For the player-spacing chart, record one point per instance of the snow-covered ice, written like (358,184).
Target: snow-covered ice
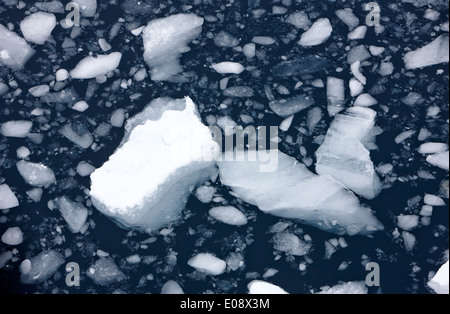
(12,236)
(319,32)
(344,154)
(91,67)
(229,215)
(14,50)
(105,272)
(228,67)
(352,287)
(18,129)
(43,266)
(37,27)
(36,175)
(7,197)
(264,287)
(165,146)
(292,191)
(74,213)
(436,52)
(165,40)
(439,283)
(208,264)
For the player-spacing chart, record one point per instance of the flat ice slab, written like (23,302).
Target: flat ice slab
(434,53)
(263,287)
(344,154)
(208,263)
(37,175)
(165,154)
(292,191)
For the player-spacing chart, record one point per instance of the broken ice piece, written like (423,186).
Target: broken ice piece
(355,287)
(434,53)
(105,272)
(74,213)
(36,175)
(317,34)
(228,215)
(167,147)
(19,129)
(288,107)
(7,197)
(208,263)
(14,50)
(91,67)
(37,27)
(228,68)
(439,283)
(440,160)
(12,236)
(263,287)
(42,267)
(171,287)
(335,95)
(88,7)
(78,133)
(344,155)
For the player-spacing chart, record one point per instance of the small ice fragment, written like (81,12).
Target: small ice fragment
(436,52)
(171,287)
(205,194)
(43,266)
(263,40)
(249,50)
(228,215)
(88,7)
(36,175)
(319,32)
(62,75)
(80,106)
(39,91)
(12,236)
(356,287)
(409,240)
(91,67)
(7,197)
(299,19)
(365,100)
(433,148)
(78,134)
(118,118)
(37,27)
(433,200)
(74,213)
(407,222)
(358,33)
(228,68)
(14,50)
(440,160)
(263,287)
(439,283)
(105,272)
(18,129)
(356,87)
(208,263)
(348,17)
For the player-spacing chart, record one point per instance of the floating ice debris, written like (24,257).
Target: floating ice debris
(358,33)
(263,40)
(118,118)
(78,134)
(91,67)
(404,136)
(287,107)
(171,287)
(355,287)
(105,272)
(12,236)
(365,100)
(299,19)
(439,283)
(37,27)
(407,222)
(335,95)
(239,92)
(88,7)
(205,194)
(36,175)
(84,169)
(7,197)
(286,123)
(14,50)
(356,87)
(319,32)
(43,266)
(165,146)
(263,287)
(165,40)
(281,186)
(348,17)
(433,200)
(249,50)
(62,75)
(208,263)
(35,194)
(344,154)
(224,39)
(376,51)
(358,53)
(301,66)
(409,240)
(18,129)
(228,68)
(80,106)
(74,213)
(355,68)
(291,244)
(436,52)
(228,215)
(433,148)
(440,160)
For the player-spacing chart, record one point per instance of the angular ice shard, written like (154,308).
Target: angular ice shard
(37,27)
(7,197)
(105,272)
(91,67)
(165,154)
(439,283)
(344,154)
(263,287)
(434,53)
(75,214)
(37,175)
(14,50)
(208,263)
(165,40)
(41,267)
(352,287)
(292,191)
(319,32)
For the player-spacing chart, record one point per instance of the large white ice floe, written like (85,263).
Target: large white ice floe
(36,175)
(344,153)
(40,267)
(165,154)
(439,283)
(263,287)
(91,67)
(165,40)
(14,50)
(292,191)
(75,214)
(208,264)
(434,53)
(352,287)
(37,27)
(7,197)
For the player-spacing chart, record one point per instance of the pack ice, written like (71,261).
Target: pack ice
(344,153)
(292,191)
(165,40)
(165,154)
(14,50)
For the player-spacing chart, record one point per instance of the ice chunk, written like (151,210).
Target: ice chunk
(436,52)
(249,50)
(291,244)
(228,68)
(51,6)
(7,197)
(404,136)
(78,134)
(165,40)
(43,266)
(80,106)
(355,68)
(84,169)
(440,160)
(117,118)
(433,148)
(300,20)
(433,200)
(224,39)
(39,91)
(208,263)
(288,107)
(228,215)
(35,194)
(358,53)
(319,32)
(88,7)
(409,240)
(365,100)
(105,272)
(205,194)
(91,67)
(74,213)
(165,146)
(348,17)
(36,175)
(12,236)
(335,95)
(171,287)
(407,222)
(352,287)
(358,33)
(37,27)
(62,75)
(14,50)
(356,87)
(18,129)
(263,40)
(263,287)
(288,189)
(344,156)
(439,283)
